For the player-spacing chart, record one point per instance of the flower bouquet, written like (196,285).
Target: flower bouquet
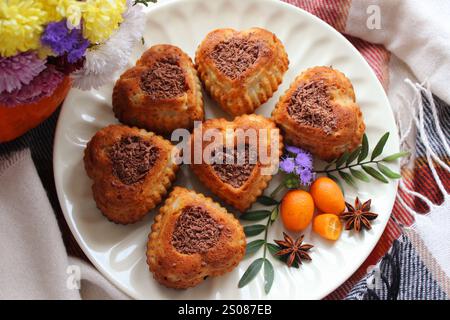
(46,46)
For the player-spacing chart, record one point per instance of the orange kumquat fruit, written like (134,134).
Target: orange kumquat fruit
(328,226)
(327,196)
(296,210)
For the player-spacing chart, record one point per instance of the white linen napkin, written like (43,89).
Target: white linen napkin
(417,32)
(33,260)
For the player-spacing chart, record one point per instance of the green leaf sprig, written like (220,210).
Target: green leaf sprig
(345,165)
(255,245)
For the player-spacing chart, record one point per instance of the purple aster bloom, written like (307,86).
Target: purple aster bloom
(304,159)
(293,149)
(77,52)
(19,70)
(306,176)
(287,165)
(64,41)
(41,86)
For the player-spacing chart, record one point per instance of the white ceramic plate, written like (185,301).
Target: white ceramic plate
(119,251)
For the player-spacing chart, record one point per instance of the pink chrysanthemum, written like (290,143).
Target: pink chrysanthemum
(19,70)
(41,86)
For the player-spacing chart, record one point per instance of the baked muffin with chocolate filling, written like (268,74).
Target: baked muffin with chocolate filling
(191,239)
(131,170)
(161,93)
(240,162)
(319,113)
(241,70)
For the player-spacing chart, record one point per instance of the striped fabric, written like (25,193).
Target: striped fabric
(334,12)
(404,277)
(419,275)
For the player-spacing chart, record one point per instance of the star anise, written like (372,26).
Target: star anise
(358,216)
(294,250)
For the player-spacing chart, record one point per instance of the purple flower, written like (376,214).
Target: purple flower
(301,165)
(293,149)
(306,176)
(19,70)
(304,159)
(64,41)
(287,165)
(41,86)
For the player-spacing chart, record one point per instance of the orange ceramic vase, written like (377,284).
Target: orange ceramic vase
(17,120)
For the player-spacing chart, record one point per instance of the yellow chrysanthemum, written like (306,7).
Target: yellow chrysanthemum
(101,18)
(21,25)
(59,9)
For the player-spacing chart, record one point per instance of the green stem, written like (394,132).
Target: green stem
(347,167)
(277,189)
(265,235)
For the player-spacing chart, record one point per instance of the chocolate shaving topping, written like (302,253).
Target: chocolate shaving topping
(234,56)
(310,105)
(195,231)
(132,158)
(164,80)
(235,166)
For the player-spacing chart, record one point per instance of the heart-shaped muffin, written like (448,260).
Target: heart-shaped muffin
(241,70)
(161,93)
(132,170)
(319,113)
(193,238)
(239,163)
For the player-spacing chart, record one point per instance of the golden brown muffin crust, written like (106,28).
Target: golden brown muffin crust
(319,113)
(241,70)
(161,93)
(177,269)
(131,170)
(239,194)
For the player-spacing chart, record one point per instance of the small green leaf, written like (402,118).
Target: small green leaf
(359,175)
(342,159)
(396,156)
(355,153)
(255,215)
(251,272)
(364,149)
(254,230)
(269,275)
(273,249)
(374,173)
(388,172)
(380,146)
(347,178)
(274,214)
(254,246)
(267,201)
(329,175)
